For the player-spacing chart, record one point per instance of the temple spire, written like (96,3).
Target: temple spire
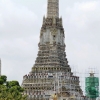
(0,67)
(53,8)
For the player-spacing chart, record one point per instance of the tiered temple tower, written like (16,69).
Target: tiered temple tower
(51,73)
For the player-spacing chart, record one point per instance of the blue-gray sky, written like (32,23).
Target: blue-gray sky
(20,23)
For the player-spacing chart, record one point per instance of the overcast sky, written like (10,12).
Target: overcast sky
(20,23)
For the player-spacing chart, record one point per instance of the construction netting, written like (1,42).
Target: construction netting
(92,87)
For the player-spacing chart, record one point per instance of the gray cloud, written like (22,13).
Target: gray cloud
(18,39)
(82,27)
(16,20)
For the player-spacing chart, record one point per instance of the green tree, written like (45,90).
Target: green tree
(10,90)
(3,79)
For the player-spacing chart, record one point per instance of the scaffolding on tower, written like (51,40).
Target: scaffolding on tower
(92,85)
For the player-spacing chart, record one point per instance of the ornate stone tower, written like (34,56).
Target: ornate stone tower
(51,73)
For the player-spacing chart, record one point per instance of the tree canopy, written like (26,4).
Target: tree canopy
(10,90)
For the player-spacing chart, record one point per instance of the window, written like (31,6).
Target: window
(54,37)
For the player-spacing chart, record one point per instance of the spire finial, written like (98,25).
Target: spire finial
(92,74)
(53,8)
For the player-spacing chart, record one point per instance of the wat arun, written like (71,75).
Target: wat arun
(51,74)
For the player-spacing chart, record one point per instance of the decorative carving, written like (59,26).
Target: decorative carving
(53,31)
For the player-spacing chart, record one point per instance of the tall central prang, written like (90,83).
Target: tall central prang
(51,73)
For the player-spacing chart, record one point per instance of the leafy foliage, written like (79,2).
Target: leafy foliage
(10,90)
(3,79)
